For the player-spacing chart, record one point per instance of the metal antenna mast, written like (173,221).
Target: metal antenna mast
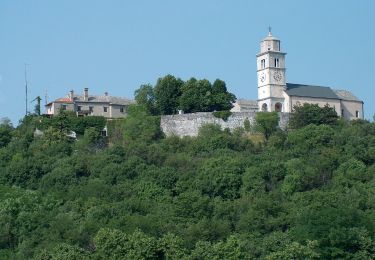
(26,101)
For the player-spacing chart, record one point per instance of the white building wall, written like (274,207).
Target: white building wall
(335,103)
(349,109)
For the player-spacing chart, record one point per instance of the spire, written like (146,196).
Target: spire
(269,31)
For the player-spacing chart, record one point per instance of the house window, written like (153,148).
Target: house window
(91,109)
(122,109)
(79,108)
(63,107)
(263,63)
(356,114)
(277,64)
(105,109)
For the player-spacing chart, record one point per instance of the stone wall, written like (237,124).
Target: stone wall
(189,124)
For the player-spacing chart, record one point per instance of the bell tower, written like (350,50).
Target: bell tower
(271,75)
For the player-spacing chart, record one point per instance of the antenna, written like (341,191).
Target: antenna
(46,97)
(26,88)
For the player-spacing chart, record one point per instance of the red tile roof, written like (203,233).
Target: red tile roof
(64,100)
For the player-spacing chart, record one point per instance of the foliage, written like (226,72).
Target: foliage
(222,114)
(266,123)
(145,96)
(167,92)
(139,125)
(304,194)
(306,114)
(247,125)
(5,134)
(171,94)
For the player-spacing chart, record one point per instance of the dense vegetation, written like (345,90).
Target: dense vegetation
(171,94)
(302,194)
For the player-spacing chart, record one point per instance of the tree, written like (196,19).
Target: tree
(296,251)
(222,99)
(167,92)
(202,96)
(266,123)
(145,96)
(6,130)
(139,125)
(196,96)
(306,114)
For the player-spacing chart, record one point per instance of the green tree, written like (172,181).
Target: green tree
(296,251)
(266,123)
(202,96)
(141,126)
(5,134)
(196,96)
(145,96)
(167,92)
(306,114)
(221,98)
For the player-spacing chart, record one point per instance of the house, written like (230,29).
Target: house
(94,105)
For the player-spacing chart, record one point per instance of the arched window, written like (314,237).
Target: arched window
(278,107)
(264,107)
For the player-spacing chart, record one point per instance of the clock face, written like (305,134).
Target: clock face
(277,76)
(262,77)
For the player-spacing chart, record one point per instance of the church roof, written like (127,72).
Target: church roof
(310,91)
(345,95)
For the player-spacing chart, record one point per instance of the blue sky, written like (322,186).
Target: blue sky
(116,46)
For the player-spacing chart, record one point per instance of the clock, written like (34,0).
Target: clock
(262,77)
(277,76)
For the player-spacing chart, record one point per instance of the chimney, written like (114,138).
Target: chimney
(71,95)
(86,94)
(106,94)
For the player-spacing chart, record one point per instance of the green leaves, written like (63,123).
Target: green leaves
(171,94)
(306,114)
(304,194)
(267,123)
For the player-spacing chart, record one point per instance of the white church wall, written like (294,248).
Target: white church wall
(335,103)
(349,109)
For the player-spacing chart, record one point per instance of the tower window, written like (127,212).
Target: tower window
(342,112)
(356,114)
(105,109)
(263,63)
(264,107)
(277,64)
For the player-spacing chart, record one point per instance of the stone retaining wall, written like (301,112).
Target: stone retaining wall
(189,124)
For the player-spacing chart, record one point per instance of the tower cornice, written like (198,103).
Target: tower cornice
(274,52)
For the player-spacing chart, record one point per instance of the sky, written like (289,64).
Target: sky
(116,46)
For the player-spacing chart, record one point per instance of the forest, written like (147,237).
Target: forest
(259,192)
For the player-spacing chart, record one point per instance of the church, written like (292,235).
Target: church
(275,94)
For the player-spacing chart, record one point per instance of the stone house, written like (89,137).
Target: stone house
(94,105)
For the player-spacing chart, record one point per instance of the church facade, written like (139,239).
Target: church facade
(275,94)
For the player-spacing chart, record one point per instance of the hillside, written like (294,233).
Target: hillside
(303,194)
